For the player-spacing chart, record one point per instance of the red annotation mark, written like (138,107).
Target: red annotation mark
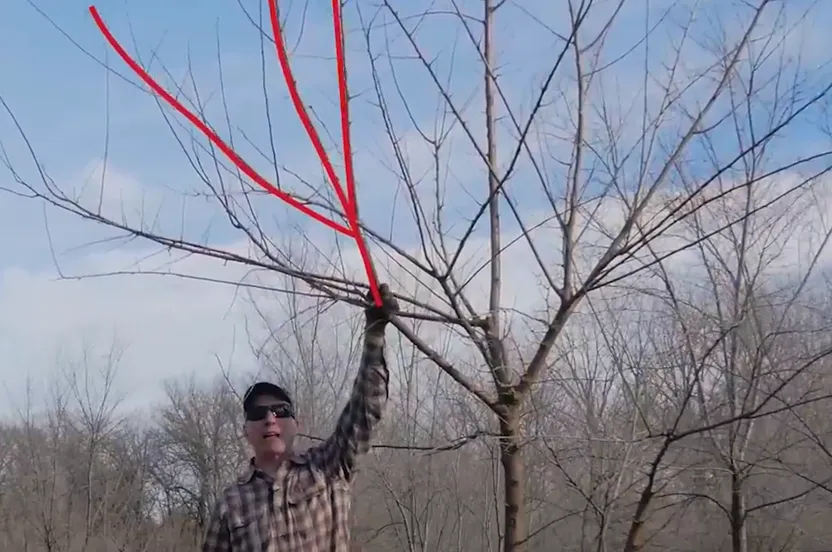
(347,199)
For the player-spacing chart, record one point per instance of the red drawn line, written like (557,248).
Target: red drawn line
(349,203)
(341,60)
(251,173)
(348,200)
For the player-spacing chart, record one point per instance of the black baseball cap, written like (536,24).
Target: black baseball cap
(262,388)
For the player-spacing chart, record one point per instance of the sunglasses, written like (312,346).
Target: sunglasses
(259,413)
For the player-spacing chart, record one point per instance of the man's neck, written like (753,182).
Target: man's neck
(271,464)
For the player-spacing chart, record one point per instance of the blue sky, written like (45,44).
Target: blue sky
(67,103)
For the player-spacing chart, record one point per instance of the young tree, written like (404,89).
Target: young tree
(504,208)
(90,384)
(198,448)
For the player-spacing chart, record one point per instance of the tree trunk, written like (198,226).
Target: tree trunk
(510,457)
(89,497)
(739,540)
(635,536)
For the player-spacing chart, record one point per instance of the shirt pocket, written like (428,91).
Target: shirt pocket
(308,488)
(318,505)
(308,511)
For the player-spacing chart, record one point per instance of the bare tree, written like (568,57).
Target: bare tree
(737,333)
(90,384)
(68,484)
(198,449)
(596,181)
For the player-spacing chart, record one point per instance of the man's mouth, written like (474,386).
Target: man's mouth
(271,436)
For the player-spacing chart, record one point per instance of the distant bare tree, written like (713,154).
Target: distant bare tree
(197,449)
(741,344)
(90,384)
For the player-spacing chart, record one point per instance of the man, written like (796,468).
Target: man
(300,502)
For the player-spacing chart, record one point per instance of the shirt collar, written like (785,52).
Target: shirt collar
(298,459)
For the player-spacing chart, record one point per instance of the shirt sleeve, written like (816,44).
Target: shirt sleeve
(217,536)
(359,418)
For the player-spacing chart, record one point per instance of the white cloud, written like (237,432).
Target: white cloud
(169,326)
(105,189)
(102,183)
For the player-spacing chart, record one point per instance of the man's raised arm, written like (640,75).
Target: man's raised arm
(359,418)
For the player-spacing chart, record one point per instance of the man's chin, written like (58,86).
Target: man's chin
(275,446)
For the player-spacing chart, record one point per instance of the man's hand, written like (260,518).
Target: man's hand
(378,317)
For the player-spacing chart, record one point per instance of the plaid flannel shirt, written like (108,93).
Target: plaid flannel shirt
(306,507)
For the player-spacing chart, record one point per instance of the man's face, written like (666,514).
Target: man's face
(269,433)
